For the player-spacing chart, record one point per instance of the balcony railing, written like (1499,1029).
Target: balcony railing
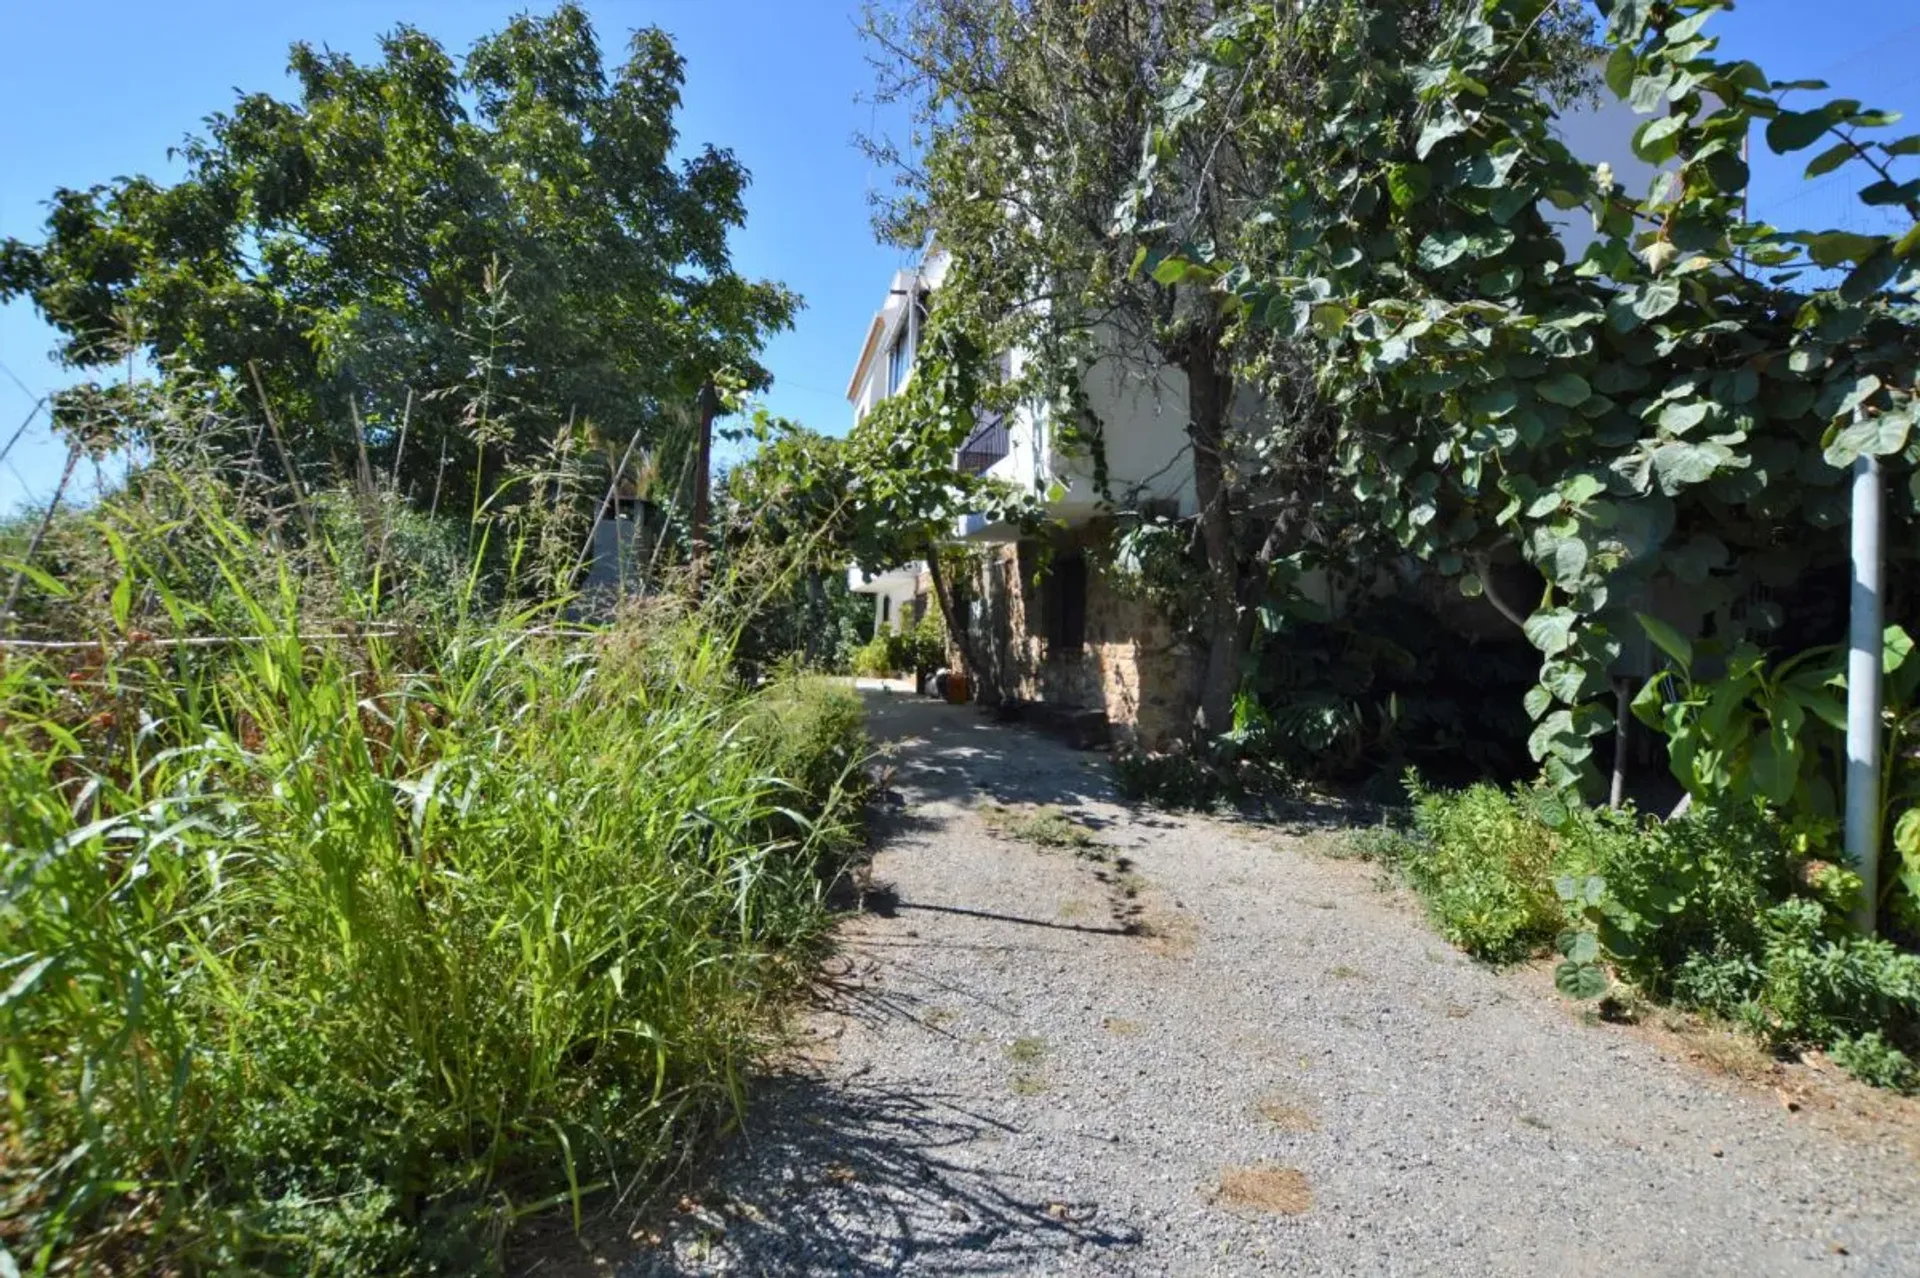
(987,444)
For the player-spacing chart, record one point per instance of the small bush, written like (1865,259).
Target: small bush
(920,648)
(1717,911)
(1872,1059)
(1485,866)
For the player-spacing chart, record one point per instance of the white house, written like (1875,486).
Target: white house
(899,595)
(1049,629)
(1048,624)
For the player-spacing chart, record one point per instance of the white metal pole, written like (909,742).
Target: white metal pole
(1863,693)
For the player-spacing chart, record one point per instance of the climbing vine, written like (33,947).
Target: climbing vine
(1678,404)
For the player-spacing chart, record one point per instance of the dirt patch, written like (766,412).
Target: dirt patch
(1168,934)
(1263,1187)
(1285,1114)
(1121,1025)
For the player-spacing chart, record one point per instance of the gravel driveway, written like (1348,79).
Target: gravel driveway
(1201,1050)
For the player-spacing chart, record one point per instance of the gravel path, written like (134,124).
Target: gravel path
(1260,1062)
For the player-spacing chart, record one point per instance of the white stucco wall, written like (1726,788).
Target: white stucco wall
(893,593)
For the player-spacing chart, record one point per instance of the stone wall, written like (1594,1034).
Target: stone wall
(1131,665)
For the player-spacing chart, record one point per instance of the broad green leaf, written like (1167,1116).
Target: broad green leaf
(1906,837)
(1795,130)
(1561,559)
(1864,388)
(1442,249)
(1875,435)
(1656,299)
(1621,65)
(1580,489)
(1655,142)
(1829,160)
(1582,981)
(1409,184)
(1831,248)
(1551,631)
(1437,131)
(1649,92)
(1669,641)
(1679,465)
(1680,417)
(1578,945)
(1569,389)
(1897,647)
(1775,764)
(1171,271)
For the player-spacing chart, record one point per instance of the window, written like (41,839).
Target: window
(900,354)
(1064,605)
(899,360)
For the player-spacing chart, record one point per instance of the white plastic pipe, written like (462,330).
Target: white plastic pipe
(1863,693)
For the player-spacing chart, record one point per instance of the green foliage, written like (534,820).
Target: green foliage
(1873,1060)
(1675,407)
(919,649)
(1762,732)
(1382,688)
(1484,863)
(352,247)
(1773,733)
(1719,911)
(343,955)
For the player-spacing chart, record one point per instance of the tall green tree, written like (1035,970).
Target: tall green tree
(1026,165)
(487,246)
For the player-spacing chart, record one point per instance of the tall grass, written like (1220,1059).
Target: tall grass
(341,955)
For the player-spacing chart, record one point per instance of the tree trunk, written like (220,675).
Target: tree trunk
(950,615)
(1209,392)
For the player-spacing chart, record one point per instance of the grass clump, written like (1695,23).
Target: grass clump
(342,956)
(1044,825)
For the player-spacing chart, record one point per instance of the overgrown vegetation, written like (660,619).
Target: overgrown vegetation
(1721,911)
(1421,342)
(341,953)
(373,876)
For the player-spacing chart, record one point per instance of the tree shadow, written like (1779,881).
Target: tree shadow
(847,1177)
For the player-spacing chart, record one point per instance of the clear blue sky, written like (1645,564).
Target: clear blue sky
(102,88)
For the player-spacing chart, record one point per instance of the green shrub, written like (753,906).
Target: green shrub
(1871,1059)
(1717,911)
(1485,865)
(919,648)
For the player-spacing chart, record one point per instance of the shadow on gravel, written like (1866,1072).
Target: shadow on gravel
(961,755)
(848,1178)
(883,901)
